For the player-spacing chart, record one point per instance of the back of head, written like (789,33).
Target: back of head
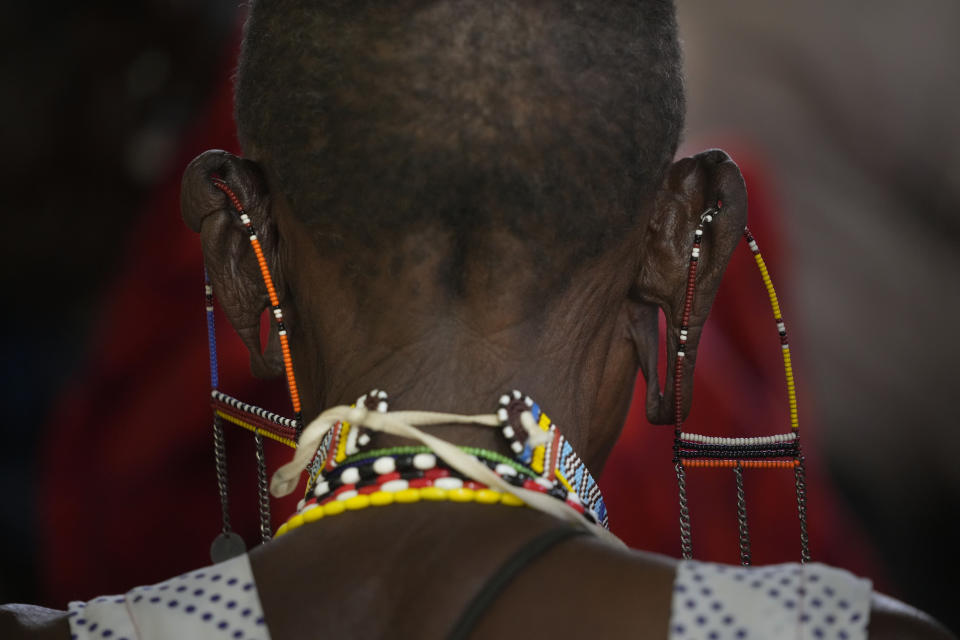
(551,121)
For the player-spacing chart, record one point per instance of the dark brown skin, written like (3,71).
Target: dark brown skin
(410,571)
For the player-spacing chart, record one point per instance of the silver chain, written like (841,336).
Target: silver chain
(220,456)
(262,490)
(686,546)
(742,517)
(801,476)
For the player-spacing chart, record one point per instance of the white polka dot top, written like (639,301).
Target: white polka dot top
(218,602)
(710,602)
(802,602)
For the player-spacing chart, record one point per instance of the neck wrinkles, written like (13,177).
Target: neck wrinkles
(434,353)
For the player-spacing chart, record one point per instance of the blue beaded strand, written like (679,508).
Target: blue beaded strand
(211,331)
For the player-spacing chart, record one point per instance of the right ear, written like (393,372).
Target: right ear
(231,264)
(690,186)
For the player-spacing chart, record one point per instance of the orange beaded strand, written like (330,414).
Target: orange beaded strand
(746,464)
(271,293)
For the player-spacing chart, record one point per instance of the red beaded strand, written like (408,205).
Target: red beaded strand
(685,324)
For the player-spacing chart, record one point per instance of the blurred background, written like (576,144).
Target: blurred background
(845,118)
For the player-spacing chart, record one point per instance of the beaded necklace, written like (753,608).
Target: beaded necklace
(346,478)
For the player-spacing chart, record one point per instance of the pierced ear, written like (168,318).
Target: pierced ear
(691,186)
(230,261)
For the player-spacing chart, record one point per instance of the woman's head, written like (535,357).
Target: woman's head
(552,121)
(482,182)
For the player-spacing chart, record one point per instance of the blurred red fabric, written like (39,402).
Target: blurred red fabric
(129,496)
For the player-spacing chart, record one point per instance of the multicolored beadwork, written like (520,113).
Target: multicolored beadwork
(254,419)
(543,462)
(345,439)
(554,460)
(690,450)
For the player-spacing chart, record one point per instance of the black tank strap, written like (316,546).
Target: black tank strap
(505,574)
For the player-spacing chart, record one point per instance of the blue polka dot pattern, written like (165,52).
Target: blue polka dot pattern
(806,602)
(219,602)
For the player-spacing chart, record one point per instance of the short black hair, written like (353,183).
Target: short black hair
(553,119)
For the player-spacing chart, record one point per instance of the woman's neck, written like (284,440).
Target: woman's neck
(431,353)
(463,376)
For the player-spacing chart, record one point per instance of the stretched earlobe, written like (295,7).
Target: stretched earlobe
(690,187)
(232,266)
(645,333)
(266,362)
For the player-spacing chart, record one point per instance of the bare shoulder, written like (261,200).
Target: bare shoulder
(890,618)
(29,622)
(587,588)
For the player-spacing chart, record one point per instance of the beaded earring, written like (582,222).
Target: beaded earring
(691,450)
(260,422)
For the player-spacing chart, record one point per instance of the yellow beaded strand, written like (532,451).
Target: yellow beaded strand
(787,362)
(406,496)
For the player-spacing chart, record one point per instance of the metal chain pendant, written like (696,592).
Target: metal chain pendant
(227,544)
(800,474)
(686,546)
(262,490)
(742,523)
(220,456)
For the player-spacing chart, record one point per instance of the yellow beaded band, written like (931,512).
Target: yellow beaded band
(406,496)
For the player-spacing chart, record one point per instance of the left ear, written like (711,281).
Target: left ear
(690,187)
(231,263)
